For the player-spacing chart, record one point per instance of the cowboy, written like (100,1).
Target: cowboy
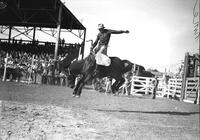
(102,40)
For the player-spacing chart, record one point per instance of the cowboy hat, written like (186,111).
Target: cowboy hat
(100,26)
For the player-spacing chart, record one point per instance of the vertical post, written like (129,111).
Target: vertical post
(147,81)
(6,59)
(34,28)
(196,65)
(184,76)
(175,86)
(58,31)
(83,44)
(9,35)
(132,79)
(29,79)
(5,68)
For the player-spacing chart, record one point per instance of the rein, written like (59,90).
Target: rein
(68,71)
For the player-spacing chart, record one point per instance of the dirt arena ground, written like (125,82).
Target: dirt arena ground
(41,112)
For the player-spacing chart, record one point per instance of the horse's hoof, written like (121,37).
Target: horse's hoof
(77,96)
(73,95)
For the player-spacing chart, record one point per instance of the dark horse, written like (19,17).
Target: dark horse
(86,67)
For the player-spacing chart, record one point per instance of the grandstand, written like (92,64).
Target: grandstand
(36,16)
(27,18)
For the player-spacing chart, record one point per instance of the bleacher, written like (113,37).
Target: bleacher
(30,62)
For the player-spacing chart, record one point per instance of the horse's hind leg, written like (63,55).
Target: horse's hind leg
(77,88)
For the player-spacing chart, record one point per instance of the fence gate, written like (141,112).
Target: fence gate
(192,90)
(174,87)
(141,85)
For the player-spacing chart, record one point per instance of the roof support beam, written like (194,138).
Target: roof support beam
(83,47)
(58,31)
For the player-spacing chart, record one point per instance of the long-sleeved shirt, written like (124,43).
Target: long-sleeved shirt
(104,37)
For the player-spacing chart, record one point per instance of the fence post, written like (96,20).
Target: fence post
(185,71)
(132,84)
(147,85)
(5,68)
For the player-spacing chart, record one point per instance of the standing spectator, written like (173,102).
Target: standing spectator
(50,78)
(155,86)
(57,77)
(62,78)
(126,85)
(44,73)
(108,85)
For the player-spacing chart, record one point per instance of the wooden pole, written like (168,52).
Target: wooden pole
(83,44)
(58,31)
(5,68)
(132,79)
(34,29)
(6,59)
(184,76)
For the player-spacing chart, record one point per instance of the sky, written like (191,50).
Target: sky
(161,31)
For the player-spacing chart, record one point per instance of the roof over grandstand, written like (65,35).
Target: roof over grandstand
(37,13)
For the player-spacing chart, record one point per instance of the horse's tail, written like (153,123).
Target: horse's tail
(127,66)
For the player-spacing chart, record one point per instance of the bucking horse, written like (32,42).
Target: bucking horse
(86,68)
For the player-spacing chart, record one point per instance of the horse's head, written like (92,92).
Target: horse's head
(64,63)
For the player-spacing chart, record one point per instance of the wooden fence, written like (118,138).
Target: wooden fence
(143,85)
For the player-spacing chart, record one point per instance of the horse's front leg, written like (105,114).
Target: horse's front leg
(77,87)
(114,86)
(120,83)
(117,84)
(82,83)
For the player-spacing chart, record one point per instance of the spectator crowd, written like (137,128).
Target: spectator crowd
(32,62)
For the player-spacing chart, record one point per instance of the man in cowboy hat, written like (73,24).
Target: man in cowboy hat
(102,40)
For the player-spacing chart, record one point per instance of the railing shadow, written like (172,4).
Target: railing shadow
(150,112)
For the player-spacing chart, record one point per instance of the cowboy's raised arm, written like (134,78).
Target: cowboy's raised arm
(118,32)
(95,42)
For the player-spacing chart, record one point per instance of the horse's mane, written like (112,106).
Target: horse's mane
(89,60)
